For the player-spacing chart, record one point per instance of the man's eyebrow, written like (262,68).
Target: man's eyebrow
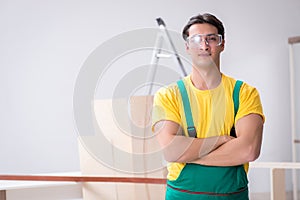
(210,34)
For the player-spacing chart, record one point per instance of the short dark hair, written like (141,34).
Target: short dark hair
(205,18)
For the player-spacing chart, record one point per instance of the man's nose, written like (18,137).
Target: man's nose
(204,44)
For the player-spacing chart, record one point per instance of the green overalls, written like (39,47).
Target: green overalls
(213,183)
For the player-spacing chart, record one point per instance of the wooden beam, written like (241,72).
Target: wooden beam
(2,195)
(293,40)
(278,184)
(275,165)
(83,179)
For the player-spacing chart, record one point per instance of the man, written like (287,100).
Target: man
(213,164)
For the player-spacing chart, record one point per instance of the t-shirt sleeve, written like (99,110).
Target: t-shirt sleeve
(165,105)
(249,102)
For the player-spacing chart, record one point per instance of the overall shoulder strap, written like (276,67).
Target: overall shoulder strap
(187,109)
(236,102)
(236,96)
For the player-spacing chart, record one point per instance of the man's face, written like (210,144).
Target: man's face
(204,45)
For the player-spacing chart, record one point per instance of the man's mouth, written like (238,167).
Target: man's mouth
(204,54)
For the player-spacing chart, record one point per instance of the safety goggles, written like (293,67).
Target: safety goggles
(196,41)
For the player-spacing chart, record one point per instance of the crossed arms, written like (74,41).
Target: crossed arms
(213,151)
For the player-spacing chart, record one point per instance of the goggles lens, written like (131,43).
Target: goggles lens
(212,40)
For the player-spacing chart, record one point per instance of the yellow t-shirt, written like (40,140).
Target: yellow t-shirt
(212,110)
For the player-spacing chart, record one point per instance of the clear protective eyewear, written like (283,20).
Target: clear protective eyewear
(213,40)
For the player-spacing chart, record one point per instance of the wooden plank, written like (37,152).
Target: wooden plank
(83,179)
(277,165)
(2,195)
(293,40)
(278,184)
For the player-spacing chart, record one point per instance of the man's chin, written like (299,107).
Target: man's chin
(205,63)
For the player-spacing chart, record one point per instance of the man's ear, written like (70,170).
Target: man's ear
(223,45)
(187,48)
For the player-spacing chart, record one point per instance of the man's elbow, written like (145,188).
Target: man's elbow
(252,153)
(171,157)
(176,157)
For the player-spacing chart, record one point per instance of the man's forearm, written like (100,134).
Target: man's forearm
(235,152)
(245,148)
(185,149)
(179,148)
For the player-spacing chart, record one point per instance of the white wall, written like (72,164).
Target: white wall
(43,45)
